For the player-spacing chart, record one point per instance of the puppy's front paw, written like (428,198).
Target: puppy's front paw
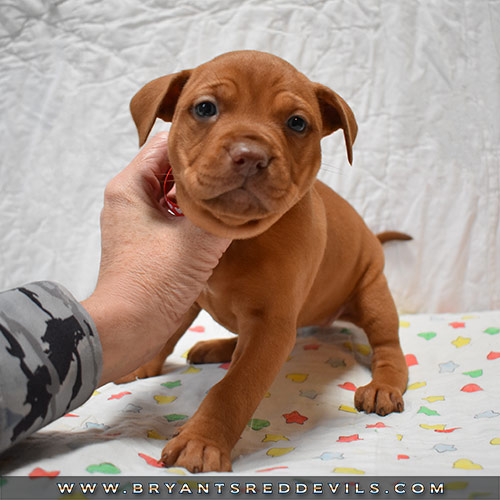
(379,398)
(196,454)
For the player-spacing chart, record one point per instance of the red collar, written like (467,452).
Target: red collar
(168,185)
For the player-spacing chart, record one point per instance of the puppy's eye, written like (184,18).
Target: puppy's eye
(296,123)
(205,109)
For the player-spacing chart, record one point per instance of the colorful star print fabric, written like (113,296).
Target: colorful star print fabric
(306,423)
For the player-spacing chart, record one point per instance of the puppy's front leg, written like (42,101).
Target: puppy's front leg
(376,313)
(205,442)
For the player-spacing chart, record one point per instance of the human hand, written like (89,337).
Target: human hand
(153,265)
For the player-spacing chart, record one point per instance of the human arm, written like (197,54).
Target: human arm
(153,267)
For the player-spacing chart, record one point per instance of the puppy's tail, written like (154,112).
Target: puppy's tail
(393,235)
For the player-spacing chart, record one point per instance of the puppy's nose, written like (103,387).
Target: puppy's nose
(247,157)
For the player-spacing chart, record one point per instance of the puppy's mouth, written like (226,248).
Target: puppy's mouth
(237,203)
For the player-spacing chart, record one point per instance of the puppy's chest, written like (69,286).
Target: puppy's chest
(219,306)
(238,284)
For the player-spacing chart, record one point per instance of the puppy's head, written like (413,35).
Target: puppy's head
(245,138)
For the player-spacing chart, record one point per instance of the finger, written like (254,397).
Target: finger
(152,165)
(144,173)
(154,156)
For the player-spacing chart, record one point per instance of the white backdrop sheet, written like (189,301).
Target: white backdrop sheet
(423,79)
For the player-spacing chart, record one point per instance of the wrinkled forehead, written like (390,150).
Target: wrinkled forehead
(250,79)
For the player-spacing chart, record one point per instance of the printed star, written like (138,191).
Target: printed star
(311,394)
(461,341)
(336,363)
(449,367)
(487,414)
(294,418)
(130,408)
(442,448)
(457,324)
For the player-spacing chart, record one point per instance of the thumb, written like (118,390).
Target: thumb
(142,176)
(153,157)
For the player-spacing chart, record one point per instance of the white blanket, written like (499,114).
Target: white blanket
(307,423)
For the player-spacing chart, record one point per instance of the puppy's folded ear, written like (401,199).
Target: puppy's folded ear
(336,114)
(157,99)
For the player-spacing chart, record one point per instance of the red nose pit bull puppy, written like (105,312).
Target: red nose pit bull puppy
(245,150)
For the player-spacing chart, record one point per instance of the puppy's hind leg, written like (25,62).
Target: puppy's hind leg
(212,351)
(373,310)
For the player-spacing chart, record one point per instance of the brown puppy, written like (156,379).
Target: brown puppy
(245,149)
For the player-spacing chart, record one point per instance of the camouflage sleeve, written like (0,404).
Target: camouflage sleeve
(50,358)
